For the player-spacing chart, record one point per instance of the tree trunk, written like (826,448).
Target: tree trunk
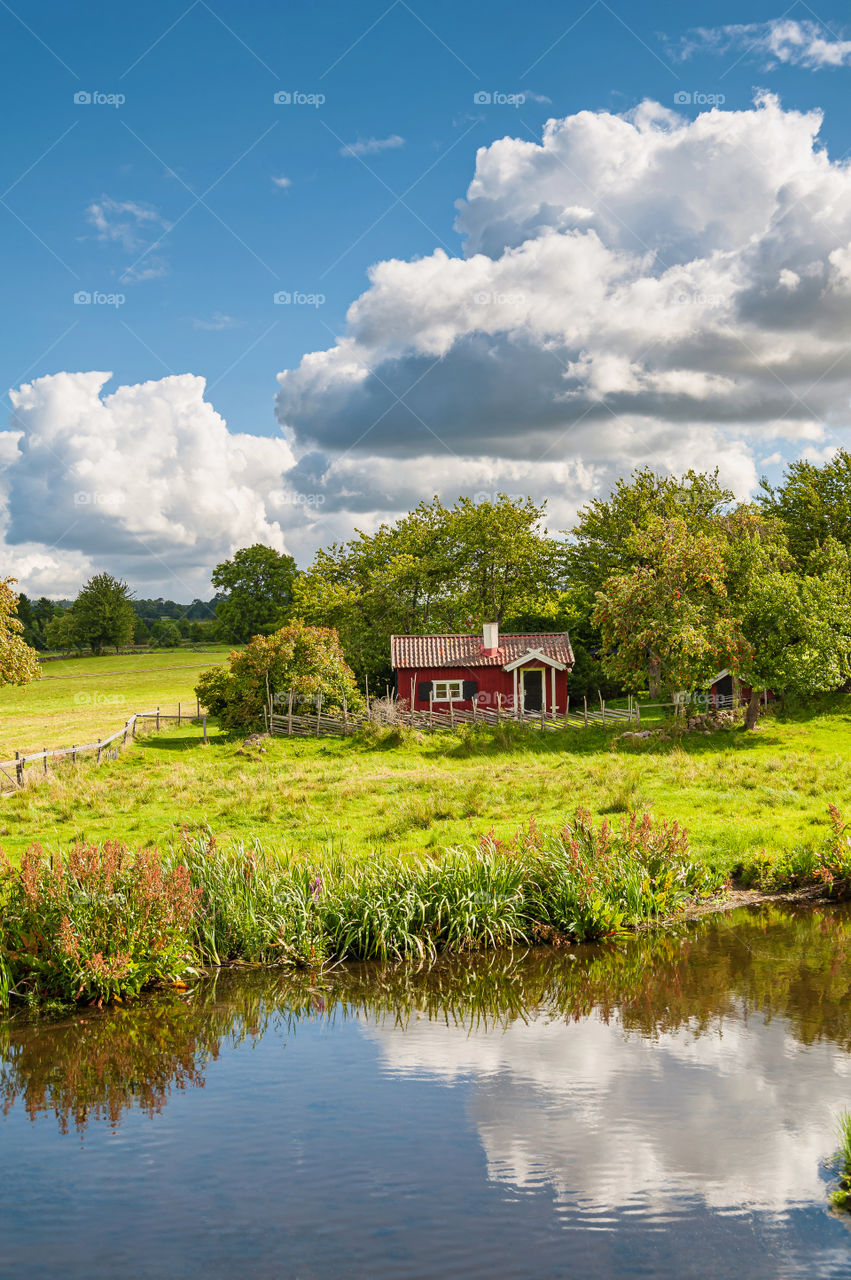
(752,713)
(654,679)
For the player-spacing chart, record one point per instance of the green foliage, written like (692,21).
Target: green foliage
(257,582)
(813,503)
(18,662)
(298,659)
(102,615)
(826,863)
(437,569)
(602,543)
(166,635)
(93,925)
(98,926)
(670,613)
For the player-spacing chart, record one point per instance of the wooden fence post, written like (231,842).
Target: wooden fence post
(178,715)
(74,754)
(638,715)
(431,708)
(197,708)
(542,715)
(567,711)
(499,708)
(266,719)
(19,768)
(585,704)
(135,717)
(366,686)
(44,749)
(603,708)
(452,711)
(124,739)
(205,727)
(345,715)
(318,711)
(158,719)
(290,715)
(98,757)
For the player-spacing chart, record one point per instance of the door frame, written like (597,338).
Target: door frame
(543,671)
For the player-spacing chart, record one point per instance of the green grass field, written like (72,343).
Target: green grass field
(82,699)
(735,792)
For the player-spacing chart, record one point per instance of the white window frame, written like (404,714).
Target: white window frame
(442,691)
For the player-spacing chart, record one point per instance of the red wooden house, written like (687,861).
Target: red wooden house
(525,672)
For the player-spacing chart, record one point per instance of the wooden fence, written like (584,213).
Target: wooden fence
(316,724)
(102,747)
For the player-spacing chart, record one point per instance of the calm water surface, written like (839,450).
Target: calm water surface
(664,1108)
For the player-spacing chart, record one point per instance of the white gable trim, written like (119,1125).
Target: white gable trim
(537,654)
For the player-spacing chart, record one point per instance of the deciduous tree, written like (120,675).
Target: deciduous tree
(102,615)
(257,582)
(297,659)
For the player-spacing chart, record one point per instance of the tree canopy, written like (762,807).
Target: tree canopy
(436,569)
(18,661)
(257,584)
(297,659)
(102,615)
(813,503)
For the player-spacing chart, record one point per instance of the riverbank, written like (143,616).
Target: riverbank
(98,923)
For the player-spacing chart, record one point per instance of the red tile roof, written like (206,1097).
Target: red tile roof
(427,652)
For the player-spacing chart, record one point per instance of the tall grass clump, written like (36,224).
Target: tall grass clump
(251,905)
(842,1197)
(590,882)
(827,863)
(92,925)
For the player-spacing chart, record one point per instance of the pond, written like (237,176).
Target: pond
(663,1107)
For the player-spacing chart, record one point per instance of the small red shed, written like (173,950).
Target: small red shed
(527,672)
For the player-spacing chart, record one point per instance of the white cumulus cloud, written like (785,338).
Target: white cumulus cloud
(146,481)
(636,288)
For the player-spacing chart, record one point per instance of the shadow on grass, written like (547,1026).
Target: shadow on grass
(180,741)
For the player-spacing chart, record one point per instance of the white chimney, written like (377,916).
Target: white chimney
(490,637)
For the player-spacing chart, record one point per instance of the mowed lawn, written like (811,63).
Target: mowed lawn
(735,792)
(82,699)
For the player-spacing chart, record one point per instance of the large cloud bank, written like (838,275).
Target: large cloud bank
(635,289)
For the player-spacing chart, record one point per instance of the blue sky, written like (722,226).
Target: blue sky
(189,198)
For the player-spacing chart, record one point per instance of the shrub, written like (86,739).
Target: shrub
(305,661)
(93,924)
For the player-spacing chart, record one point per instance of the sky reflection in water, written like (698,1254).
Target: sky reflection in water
(661,1108)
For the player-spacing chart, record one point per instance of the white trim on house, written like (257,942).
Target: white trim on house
(452,690)
(522,673)
(539,656)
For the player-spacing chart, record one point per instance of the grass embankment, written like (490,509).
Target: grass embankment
(736,793)
(98,924)
(82,699)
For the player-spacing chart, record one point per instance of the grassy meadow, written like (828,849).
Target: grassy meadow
(735,793)
(82,699)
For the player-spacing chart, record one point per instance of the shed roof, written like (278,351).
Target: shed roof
(427,652)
